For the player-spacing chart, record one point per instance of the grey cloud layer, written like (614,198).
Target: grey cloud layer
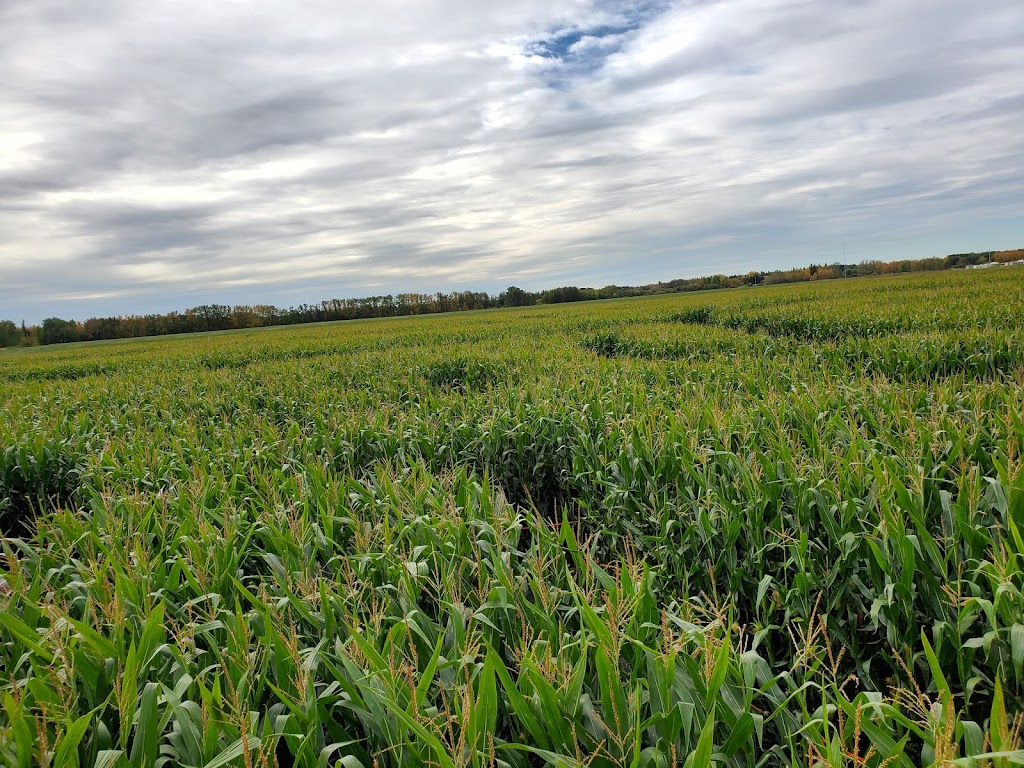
(153,152)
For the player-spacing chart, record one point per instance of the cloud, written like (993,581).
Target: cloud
(152,154)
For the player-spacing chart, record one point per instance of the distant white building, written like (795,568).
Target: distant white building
(986,265)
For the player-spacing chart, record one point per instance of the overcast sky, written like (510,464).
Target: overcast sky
(156,155)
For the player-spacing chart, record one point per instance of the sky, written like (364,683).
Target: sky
(163,154)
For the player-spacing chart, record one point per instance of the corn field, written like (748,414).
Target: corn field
(763,527)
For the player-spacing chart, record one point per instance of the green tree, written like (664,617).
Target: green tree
(516,297)
(10,336)
(57,331)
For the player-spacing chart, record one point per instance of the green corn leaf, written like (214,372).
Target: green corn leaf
(234,751)
(486,707)
(520,706)
(718,673)
(1011,756)
(1017,650)
(701,756)
(147,728)
(999,728)
(740,735)
(18,722)
(25,635)
(614,706)
(109,758)
(555,759)
(427,676)
(440,754)
(66,753)
(933,664)
(152,633)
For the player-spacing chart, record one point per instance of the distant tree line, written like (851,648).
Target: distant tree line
(222,317)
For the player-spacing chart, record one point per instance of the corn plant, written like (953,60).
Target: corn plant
(772,526)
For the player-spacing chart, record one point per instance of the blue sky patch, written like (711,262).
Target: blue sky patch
(568,58)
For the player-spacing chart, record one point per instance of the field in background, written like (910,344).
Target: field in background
(771,526)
